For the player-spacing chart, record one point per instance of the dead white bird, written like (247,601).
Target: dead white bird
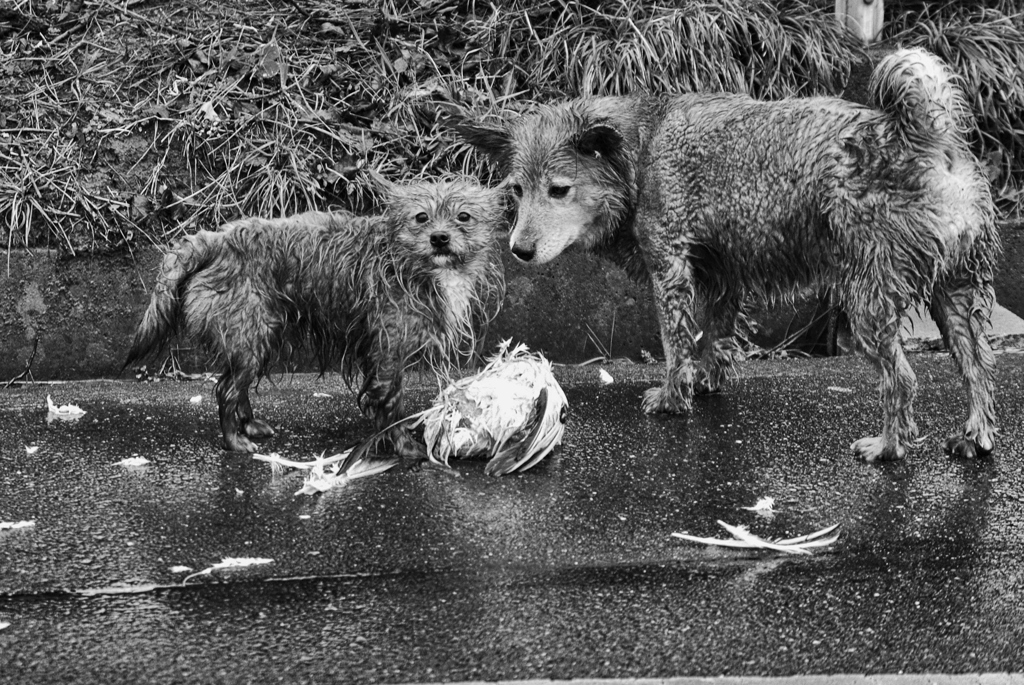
(513,411)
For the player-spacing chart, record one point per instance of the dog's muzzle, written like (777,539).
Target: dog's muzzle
(442,253)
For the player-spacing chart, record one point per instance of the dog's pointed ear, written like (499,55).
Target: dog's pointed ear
(493,141)
(600,140)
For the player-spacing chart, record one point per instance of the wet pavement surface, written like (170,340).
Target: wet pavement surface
(566,571)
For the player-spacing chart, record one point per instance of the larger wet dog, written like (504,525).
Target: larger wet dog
(724,196)
(374,294)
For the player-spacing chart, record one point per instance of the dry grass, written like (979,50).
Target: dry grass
(125,121)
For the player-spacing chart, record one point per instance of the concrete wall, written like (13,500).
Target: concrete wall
(83,311)
(1010,279)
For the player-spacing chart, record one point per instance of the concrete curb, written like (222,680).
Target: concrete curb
(838,679)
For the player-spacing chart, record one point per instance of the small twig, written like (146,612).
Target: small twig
(301,10)
(28,365)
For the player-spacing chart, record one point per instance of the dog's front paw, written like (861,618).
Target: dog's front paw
(661,400)
(875,449)
(963,447)
(258,430)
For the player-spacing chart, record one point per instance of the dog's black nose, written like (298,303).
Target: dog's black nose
(525,254)
(438,240)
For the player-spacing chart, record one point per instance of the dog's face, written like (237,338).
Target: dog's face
(569,174)
(448,223)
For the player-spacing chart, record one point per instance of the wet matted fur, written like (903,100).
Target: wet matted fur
(372,295)
(724,196)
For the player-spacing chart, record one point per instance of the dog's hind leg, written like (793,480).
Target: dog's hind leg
(716,345)
(876,327)
(233,385)
(674,296)
(253,427)
(962,312)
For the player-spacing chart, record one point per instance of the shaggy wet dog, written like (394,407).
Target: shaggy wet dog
(723,196)
(374,295)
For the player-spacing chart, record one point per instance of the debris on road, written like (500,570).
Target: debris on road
(745,539)
(606,378)
(764,507)
(321,479)
(14,525)
(66,412)
(229,562)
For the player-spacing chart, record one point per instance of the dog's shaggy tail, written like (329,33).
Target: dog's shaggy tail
(922,96)
(161,318)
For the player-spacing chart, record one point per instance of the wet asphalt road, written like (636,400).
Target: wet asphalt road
(567,571)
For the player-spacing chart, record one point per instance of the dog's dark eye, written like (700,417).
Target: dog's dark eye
(463,217)
(558,191)
(517,189)
(421,218)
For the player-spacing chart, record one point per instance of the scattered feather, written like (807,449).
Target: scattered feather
(30,450)
(512,412)
(321,478)
(764,507)
(276,462)
(741,537)
(275,459)
(65,412)
(606,377)
(180,569)
(133,461)
(196,399)
(14,525)
(228,562)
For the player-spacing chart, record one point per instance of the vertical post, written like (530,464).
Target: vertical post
(863,18)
